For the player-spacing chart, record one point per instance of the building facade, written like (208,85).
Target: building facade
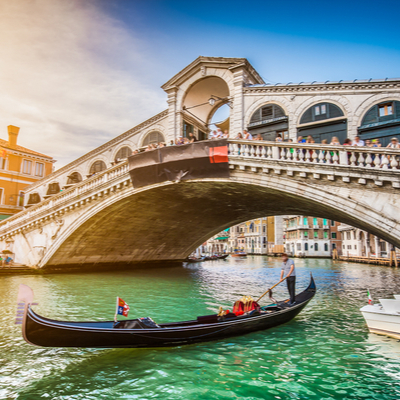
(19,168)
(307,236)
(359,243)
(369,108)
(256,236)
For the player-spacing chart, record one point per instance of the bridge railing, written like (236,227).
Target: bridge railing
(352,156)
(74,193)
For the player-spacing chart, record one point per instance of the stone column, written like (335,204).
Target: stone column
(172,120)
(367,245)
(377,247)
(236,123)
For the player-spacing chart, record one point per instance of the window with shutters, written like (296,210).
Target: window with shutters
(316,246)
(97,166)
(123,153)
(306,246)
(333,235)
(2,163)
(39,169)
(325,246)
(27,167)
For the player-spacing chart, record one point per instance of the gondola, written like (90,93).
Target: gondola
(222,256)
(192,260)
(144,332)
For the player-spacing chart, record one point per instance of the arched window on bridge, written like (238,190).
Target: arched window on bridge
(381,121)
(123,153)
(323,121)
(269,121)
(34,198)
(53,188)
(75,177)
(153,137)
(97,166)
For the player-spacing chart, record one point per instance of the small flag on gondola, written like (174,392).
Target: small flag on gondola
(370,302)
(122,308)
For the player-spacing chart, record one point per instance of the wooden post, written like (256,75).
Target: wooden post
(393,257)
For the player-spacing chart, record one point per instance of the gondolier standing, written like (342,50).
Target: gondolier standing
(289,271)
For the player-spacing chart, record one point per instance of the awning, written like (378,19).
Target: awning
(222,238)
(4,217)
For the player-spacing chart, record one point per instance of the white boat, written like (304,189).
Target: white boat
(383,318)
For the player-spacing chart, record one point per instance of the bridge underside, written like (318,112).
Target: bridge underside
(168,222)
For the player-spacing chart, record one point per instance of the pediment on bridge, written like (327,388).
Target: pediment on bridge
(203,63)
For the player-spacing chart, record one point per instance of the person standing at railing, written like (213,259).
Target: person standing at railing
(278,138)
(259,137)
(335,141)
(394,143)
(358,142)
(247,135)
(301,140)
(192,138)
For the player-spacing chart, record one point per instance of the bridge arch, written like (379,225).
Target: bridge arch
(195,99)
(141,227)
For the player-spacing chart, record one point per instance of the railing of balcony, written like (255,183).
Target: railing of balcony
(349,156)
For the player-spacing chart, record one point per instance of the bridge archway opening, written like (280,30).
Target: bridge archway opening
(140,227)
(270,121)
(323,121)
(202,100)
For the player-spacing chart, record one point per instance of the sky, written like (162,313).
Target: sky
(76,73)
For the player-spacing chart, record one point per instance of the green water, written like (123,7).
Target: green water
(324,353)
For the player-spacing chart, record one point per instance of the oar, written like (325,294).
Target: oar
(276,284)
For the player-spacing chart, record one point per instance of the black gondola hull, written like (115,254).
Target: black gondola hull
(44,332)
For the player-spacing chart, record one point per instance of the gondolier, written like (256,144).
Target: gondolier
(289,272)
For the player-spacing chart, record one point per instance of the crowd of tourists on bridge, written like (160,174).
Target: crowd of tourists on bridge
(246,135)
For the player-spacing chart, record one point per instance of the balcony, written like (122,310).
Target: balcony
(296,227)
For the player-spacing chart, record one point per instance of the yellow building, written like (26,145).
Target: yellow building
(19,168)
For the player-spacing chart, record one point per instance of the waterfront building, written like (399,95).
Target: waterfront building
(19,168)
(307,236)
(369,108)
(256,236)
(359,243)
(218,244)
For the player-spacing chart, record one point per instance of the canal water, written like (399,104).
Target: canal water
(324,353)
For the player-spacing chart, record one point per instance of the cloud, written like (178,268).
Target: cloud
(71,76)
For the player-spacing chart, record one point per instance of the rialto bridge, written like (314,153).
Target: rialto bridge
(88,212)
(104,219)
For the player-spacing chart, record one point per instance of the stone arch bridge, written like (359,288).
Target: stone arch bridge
(106,220)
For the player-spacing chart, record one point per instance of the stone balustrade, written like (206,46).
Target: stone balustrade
(349,156)
(363,163)
(65,198)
